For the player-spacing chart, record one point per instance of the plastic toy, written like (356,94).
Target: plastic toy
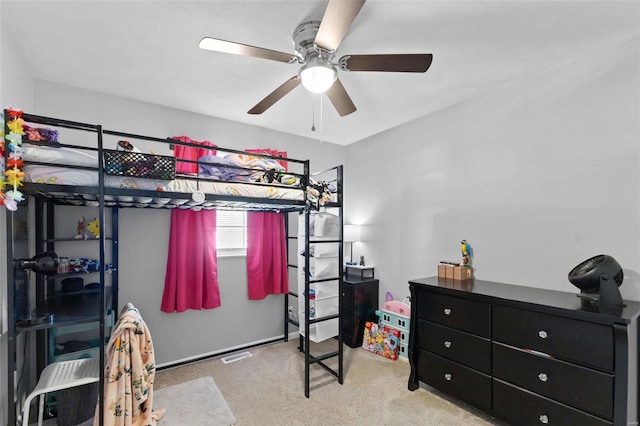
(466,253)
(80,229)
(396,306)
(94,227)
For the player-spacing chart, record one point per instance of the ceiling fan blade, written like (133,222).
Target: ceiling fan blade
(224,46)
(275,96)
(392,63)
(340,99)
(336,22)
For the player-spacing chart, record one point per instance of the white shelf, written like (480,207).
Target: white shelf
(324,264)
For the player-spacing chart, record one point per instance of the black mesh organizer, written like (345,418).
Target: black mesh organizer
(137,164)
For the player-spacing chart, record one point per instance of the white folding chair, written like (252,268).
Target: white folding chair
(58,376)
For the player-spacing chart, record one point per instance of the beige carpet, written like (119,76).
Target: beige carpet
(268,389)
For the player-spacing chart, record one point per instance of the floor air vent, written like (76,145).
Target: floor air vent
(236,357)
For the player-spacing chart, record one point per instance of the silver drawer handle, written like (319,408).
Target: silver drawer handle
(543,334)
(543,377)
(447,376)
(447,344)
(544,419)
(447,311)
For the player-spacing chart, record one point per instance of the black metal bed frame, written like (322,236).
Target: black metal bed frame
(47,195)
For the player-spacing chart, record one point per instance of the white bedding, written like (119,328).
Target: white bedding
(79,177)
(62,156)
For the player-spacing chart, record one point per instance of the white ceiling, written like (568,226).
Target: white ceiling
(148,51)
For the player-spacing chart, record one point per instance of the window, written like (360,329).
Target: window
(231,233)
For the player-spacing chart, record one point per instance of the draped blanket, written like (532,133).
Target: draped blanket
(129,374)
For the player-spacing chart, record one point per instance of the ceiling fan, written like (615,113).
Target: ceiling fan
(315,45)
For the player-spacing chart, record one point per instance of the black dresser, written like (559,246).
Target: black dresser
(524,355)
(359,303)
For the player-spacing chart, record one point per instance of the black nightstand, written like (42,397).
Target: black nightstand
(359,303)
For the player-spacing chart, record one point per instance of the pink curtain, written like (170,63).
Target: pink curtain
(190,153)
(267,271)
(191,280)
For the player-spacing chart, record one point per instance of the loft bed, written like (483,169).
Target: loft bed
(65,167)
(70,173)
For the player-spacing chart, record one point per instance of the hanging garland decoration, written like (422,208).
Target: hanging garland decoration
(2,161)
(13,175)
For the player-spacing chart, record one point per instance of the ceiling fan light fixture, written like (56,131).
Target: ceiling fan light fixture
(317,75)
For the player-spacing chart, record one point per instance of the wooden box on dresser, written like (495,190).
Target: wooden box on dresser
(525,355)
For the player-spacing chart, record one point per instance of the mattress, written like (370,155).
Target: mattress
(58,174)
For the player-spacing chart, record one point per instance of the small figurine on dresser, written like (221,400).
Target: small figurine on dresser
(362,261)
(466,253)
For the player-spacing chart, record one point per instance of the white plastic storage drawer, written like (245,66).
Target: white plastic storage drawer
(322,249)
(322,267)
(322,225)
(321,330)
(319,308)
(321,290)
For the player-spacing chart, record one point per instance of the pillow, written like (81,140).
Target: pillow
(63,156)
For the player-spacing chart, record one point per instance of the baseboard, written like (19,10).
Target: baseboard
(222,352)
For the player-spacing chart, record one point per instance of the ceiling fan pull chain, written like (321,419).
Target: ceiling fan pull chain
(321,122)
(313,112)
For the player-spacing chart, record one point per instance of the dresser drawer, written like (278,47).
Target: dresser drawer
(520,407)
(465,348)
(463,314)
(454,379)
(583,342)
(580,387)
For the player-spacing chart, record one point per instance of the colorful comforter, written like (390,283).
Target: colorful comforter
(245,168)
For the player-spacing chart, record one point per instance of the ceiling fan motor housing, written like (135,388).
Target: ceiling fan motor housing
(304,37)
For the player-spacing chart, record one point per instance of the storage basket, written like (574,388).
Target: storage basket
(74,404)
(137,164)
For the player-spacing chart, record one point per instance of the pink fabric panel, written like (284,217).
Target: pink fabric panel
(191,280)
(267,271)
(191,153)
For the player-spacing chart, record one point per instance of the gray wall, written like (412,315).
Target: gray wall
(16,88)
(537,176)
